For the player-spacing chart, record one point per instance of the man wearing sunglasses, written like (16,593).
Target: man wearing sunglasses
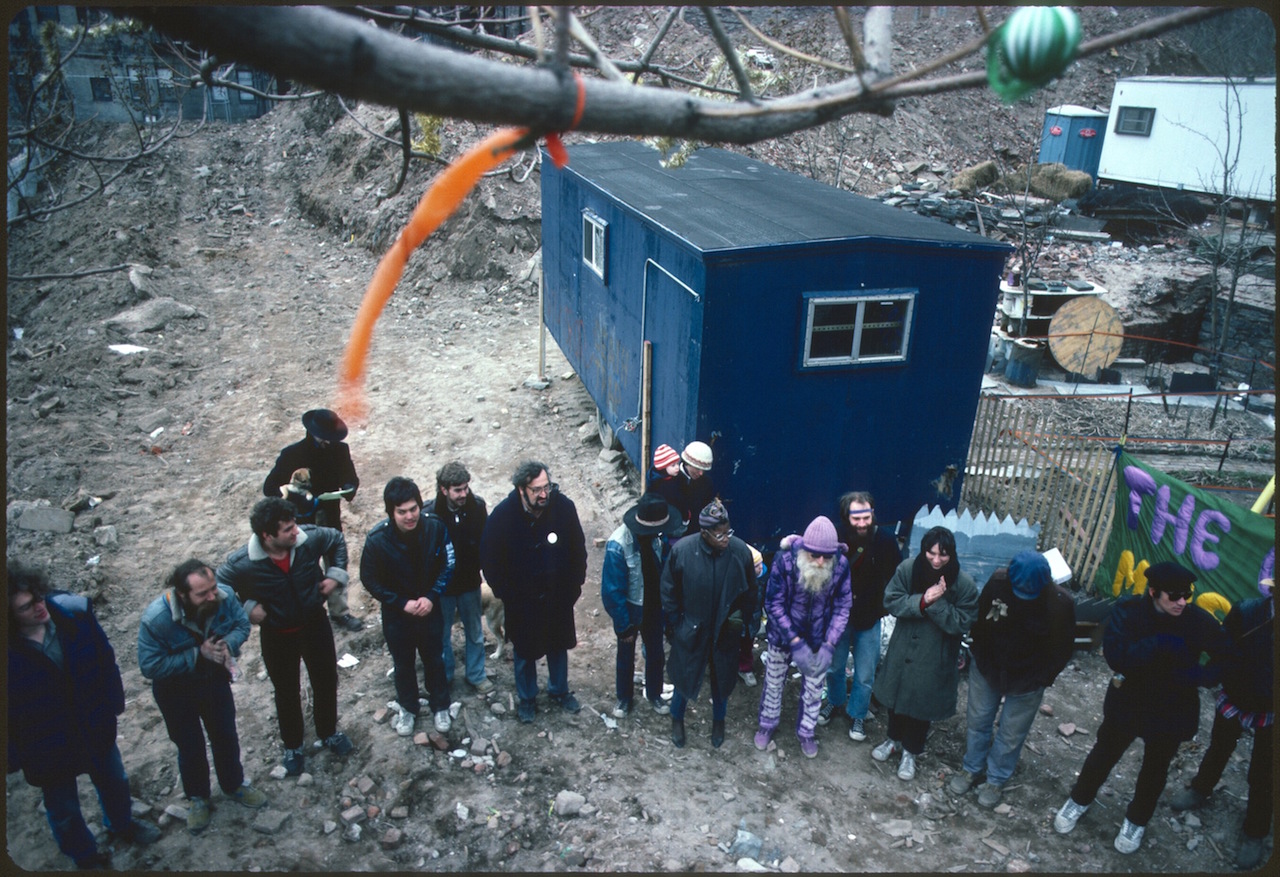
(534,557)
(1154,643)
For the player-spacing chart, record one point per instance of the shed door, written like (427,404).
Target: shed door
(673,322)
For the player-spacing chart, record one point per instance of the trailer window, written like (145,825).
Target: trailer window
(841,330)
(594,240)
(1135,120)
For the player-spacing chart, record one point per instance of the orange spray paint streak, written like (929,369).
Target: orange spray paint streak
(437,205)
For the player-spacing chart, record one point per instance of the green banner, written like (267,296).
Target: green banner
(1157,518)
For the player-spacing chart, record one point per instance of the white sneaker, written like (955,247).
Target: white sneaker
(1068,816)
(748,678)
(907,767)
(443,721)
(1129,838)
(404,723)
(885,750)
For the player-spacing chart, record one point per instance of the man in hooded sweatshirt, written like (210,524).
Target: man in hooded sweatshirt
(1023,638)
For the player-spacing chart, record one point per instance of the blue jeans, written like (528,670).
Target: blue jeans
(62,805)
(719,708)
(467,607)
(654,658)
(526,673)
(186,701)
(997,754)
(866,657)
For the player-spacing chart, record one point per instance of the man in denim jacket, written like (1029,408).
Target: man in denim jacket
(631,593)
(187,644)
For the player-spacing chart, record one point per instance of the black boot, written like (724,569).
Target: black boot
(677,733)
(717,732)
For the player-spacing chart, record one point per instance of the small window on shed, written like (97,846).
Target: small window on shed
(843,330)
(101,87)
(245,78)
(1135,120)
(594,241)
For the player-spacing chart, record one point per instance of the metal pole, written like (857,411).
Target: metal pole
(1225,448)
(542,330)
(646,411)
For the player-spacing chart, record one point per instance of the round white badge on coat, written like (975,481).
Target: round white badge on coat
(551,538)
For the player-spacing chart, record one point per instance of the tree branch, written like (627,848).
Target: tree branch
(730,55)
(334,52)
(74,275)
(787,50)
(653,46)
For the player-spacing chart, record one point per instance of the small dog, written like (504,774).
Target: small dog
(495,615)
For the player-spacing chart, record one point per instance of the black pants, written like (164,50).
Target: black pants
(908,731)
(409,638)
(313,646)
(1222,742)
(1157,754)
(187,701)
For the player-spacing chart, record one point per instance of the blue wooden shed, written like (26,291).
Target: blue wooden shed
(817,340)
(1073,135)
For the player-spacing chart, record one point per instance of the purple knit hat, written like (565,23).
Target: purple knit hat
(820,537)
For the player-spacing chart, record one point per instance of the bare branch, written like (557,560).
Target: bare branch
(74,275)
(787,50)
(730,55)
(850,39)
(332,51)
(579,33)
(653,46)
(877,35)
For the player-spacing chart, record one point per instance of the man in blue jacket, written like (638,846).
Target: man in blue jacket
(1246,703)
(534,556)
(630,589)
(187,644)
(1153,642)
(280,580)
(64,695)
(406,564)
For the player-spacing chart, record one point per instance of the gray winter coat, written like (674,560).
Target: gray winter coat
(919,675)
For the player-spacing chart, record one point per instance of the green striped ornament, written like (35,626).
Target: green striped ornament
(1034,45)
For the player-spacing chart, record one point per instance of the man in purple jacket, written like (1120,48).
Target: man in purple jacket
(808,602)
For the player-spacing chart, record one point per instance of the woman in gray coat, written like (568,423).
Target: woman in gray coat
(934,604)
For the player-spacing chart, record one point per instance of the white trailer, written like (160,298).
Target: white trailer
(1174,131)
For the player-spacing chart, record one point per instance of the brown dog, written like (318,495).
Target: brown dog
(495,615)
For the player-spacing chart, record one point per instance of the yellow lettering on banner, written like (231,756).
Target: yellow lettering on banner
(1130,577)
(1215,603)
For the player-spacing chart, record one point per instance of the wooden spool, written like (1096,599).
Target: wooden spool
(1085,336)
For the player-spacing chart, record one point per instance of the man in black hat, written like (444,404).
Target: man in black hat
(328,458)
(1153,642)
(630,590)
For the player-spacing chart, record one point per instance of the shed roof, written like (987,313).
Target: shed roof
(721,200)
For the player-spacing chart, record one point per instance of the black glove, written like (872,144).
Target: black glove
(630,632)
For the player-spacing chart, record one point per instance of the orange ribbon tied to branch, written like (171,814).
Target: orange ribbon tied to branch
(439,203)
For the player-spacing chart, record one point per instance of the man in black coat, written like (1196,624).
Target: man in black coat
(534,557)
(464,515)
(708,589)
(874,556)
(1153,642)
(1246,702)
(324,453)
(1022,640)
(65,692)
(406,564)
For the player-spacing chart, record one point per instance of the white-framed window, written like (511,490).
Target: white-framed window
(852,329)
(595,240)
(1135,120)
(101,87)
(164,80)
(245,78)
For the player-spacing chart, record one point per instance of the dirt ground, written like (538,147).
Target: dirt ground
(268,233)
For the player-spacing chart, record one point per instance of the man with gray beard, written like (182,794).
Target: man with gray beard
(808,601)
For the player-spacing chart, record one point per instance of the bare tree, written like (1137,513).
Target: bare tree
(340,52)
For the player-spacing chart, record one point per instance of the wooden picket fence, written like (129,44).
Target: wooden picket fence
(1064,483)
